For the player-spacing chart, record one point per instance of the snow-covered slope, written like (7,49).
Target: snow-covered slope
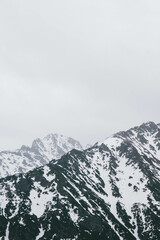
(53,146)
(109,191)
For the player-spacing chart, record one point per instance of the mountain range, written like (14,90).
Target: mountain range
(53,146)
(108,191)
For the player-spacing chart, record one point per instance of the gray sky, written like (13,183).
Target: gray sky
(83,68)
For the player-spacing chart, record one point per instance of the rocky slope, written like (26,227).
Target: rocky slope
(53,146)
(109,191)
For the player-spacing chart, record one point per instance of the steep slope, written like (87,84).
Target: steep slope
(109,191)
(53,146)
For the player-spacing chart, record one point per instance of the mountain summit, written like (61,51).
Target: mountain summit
(109,191)
(53,146)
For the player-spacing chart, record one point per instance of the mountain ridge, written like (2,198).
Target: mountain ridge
(109,191)
(53,146)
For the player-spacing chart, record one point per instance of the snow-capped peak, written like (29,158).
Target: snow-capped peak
(43,150)
(53,146)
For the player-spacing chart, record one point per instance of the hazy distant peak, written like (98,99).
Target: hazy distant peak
(42,150)
(25,148)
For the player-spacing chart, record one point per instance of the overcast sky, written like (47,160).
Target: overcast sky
(82,68)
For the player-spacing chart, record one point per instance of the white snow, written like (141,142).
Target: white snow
(74,216)
(39,201)
(7,232)
(49,177)
(40,234)
(129,195)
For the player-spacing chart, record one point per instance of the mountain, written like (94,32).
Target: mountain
(109,191)
(87,146)
(53,146)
